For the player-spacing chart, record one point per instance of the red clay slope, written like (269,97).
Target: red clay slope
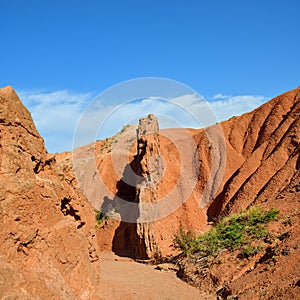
(266,142)
(266,146)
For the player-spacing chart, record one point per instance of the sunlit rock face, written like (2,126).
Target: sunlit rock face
(48,248)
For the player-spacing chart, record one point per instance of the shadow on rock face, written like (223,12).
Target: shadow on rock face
(126,241)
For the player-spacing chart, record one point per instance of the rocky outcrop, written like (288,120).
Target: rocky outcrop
(150,168)
(48,248)
(148,152)
(137,238)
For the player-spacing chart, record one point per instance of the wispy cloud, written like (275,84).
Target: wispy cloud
(56,114)
(226,106)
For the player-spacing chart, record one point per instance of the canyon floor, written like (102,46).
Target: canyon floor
(123,278)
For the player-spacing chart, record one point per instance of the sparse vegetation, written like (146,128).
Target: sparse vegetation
(249,251)
(237,231)
(124,128)
(100,216)
(105,214)
(108,143)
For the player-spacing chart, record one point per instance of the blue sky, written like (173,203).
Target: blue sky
(59,55)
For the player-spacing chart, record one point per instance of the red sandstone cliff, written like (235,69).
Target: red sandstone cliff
(48,248)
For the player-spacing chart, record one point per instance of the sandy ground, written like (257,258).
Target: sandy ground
(124,278)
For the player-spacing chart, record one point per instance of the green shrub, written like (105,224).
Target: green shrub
(100,216)
(233,232)
(184,240)
(250,250)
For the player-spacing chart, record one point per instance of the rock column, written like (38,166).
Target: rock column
(149,170)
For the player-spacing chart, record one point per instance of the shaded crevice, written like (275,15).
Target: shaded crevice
(215,208)
(264,188)
(28,131)
(6,122)
(287,133)
(246,135)
(40,165)
(261,133)
(68,210)
(81,224)
(126,241)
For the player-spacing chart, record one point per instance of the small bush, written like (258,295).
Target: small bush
(249,251)
(184,240)
(124,128)
(259,216)
(236,231)
(100,217)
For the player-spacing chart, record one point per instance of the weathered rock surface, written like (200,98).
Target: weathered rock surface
(138,238)
(48,248)
(149,167)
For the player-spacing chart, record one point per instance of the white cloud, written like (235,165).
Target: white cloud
(226,107)
(220,107)
(56,114)
(219,96)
